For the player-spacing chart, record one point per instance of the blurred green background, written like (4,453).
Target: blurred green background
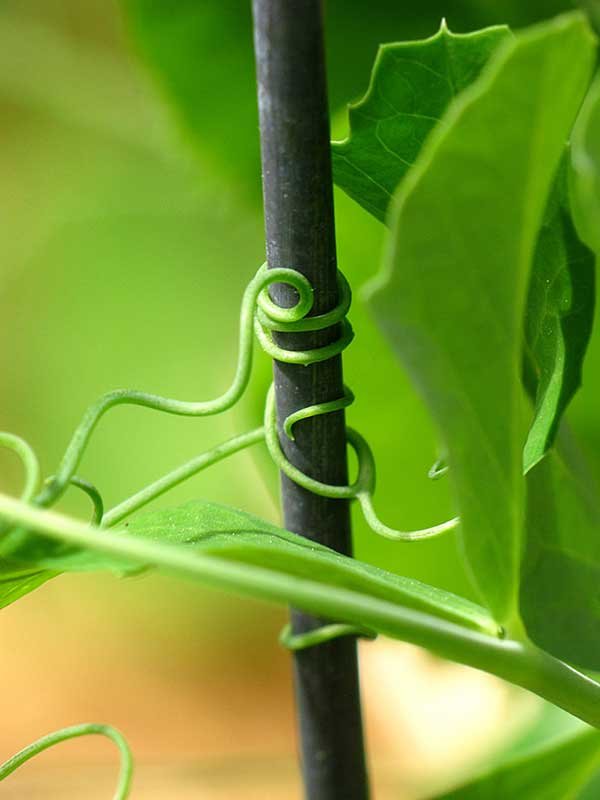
(128,232)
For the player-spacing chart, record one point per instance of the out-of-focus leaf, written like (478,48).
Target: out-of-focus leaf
(201,54)
(560,586)
(225,532)
(558,772)
(585,172)
(16,584)
(412,84)
(558,320)
(451,297)
(593,9)
(37,68)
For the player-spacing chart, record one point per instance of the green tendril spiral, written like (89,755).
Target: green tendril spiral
(259,314)
(258,285)
(63,735)
(363,487)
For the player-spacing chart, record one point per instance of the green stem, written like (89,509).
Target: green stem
(515,662)
(126,773)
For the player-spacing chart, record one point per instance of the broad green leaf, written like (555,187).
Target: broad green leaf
(217,530)
(451,296)
(557,772)
(411,86)
(558,320)
(318,595)
(585,172)
(560,588)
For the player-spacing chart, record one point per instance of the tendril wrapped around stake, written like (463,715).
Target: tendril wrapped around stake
(259,315)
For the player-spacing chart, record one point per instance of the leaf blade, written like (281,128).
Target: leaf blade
(585,169)
(557,772)
(411,86)
(213,529)
(462,343)
(558,320)
(559,597)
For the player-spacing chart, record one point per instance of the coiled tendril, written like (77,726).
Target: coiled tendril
(261,316)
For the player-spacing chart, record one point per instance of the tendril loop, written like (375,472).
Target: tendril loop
(259,314)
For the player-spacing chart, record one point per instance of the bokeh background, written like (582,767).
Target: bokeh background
(127,234)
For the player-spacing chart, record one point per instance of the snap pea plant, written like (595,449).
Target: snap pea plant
(481,153)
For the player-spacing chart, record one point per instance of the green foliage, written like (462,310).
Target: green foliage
(212,529)
(16,582)
(558,320)
(452,296)
(235,535)
(506,658)
(557,772)
(585,174)
(452,302)
(561,568)
(411,87)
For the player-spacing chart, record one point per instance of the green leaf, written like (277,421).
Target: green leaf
(558,320)
(217,530)
(451,297)
(557,772)
(585,172)
(14,585)
(411,86)
(560,588)
(511,660)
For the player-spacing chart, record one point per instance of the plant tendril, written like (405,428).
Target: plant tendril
(182,473)
(263,279)
(51,739)
(259,314)
(29,460)
(326,633)
(363,487)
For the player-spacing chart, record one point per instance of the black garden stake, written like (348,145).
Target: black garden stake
(300,233)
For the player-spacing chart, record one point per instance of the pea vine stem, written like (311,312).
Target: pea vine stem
(517,662)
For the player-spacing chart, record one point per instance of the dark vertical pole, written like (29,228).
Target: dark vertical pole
(298,202)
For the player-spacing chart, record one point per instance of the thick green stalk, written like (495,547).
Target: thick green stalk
(513,661)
